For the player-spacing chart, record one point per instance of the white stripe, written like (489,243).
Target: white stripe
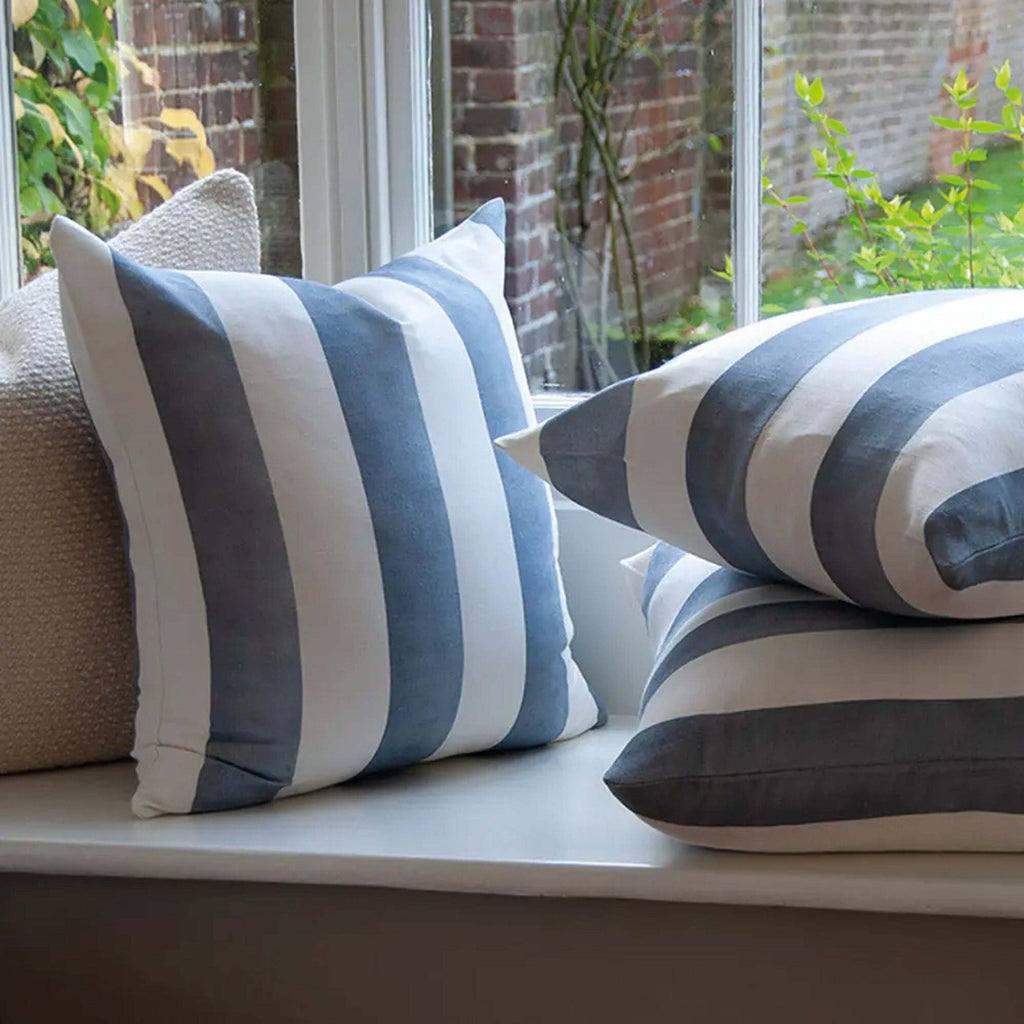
(174,666)
(583,712)
(969,831)
(325,519)
(490,595)
(664,403)
(944,662)
(635,571)
(789,451)
(674,589)
(474,251)
(971,438)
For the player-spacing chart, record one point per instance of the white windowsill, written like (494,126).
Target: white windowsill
(538,823)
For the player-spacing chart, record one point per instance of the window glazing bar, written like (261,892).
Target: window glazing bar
(746,188)
(10,218)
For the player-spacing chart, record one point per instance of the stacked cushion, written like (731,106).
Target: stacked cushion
(873,451)
(336,572)
(778,719)
(67,649)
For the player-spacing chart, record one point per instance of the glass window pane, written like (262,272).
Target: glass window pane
(605,125)
(122,103)
(864,133)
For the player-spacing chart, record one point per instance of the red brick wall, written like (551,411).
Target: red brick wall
(232,62)
(503,54)
(208,60)
(510,141)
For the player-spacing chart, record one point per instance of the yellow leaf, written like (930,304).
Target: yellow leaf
(22,11)
(183,119)
(207,165)
(19,108)
(76,14)
(130,58)
(47,113)
(157,184)
(185,151)
(20,71)
(136,141)
(115,136)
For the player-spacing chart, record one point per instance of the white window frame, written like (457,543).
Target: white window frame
(10,215)
(365,138)
(363,96)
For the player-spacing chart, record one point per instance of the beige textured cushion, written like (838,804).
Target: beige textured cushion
(67,647)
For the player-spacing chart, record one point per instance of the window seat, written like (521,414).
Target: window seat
(537,823)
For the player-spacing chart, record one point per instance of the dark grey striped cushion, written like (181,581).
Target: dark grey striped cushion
(872,451)
(335,571)
(779,719)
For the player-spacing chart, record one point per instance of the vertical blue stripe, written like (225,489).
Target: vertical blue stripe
(543,713)
(663,558)
(373,376)
(737,407)
(584,452)
(255,665)
(853,473)
(493,215)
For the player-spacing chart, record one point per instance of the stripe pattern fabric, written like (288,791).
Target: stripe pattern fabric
(872,451)
(336,573)
(778,719)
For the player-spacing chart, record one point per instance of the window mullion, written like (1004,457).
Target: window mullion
(746,233)
(10,219)
(364,132)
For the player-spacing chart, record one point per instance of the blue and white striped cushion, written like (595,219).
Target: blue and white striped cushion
(778,719)
(335,571)
(872,451)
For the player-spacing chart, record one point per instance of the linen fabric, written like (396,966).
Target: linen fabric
(336,572)
(872,451)
(777,719)
(67,647)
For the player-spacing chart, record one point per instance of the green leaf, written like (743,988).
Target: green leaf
(960,82)
(798,228)
(1014,95)
(952,179)
(81,48)
(79,117)
(793,200)
(816,93)
(987,127)
(977,155)
(1005,223)
(820,158)
(714,144)
(836,125)
(985,186)
(947,122)
(861,174)
(1003,75)
(801,86)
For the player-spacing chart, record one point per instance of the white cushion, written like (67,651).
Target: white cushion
(777,719)
(336,572)
(872,451)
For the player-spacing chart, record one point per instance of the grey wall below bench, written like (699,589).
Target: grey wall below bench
(123,950)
